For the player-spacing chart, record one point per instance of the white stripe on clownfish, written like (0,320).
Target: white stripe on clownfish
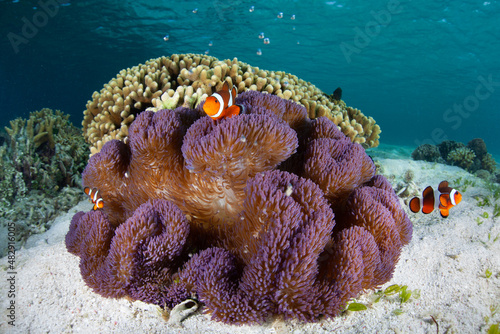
(452,196)
(443,199)
(220,104)
(94,197)
(99,204)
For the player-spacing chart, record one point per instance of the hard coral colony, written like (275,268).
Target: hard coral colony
(41,159)
(185,80)
(265,213)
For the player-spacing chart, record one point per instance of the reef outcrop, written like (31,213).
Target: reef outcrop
(263,214)
(187,79)
(472,157)
(41,159)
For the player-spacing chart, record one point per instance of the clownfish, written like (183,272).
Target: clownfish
(95,197)
(443,198)
(220,104)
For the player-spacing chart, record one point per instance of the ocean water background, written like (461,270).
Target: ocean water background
(425,70)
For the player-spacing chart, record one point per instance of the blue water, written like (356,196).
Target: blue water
(425,70)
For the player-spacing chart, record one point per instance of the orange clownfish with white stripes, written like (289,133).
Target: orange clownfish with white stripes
(220,104)
(444,198)
(95,197)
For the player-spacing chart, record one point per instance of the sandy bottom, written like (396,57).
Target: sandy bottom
(448,261)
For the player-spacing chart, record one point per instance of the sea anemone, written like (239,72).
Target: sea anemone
(265,213)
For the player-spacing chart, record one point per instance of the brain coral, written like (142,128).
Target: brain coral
(187,79)
(265,213)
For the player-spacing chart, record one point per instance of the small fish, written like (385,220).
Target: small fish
(337,94)
(444,198)
(95,197)
(220,104)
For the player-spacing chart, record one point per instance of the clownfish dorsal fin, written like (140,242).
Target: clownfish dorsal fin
(225,86)
(442,186)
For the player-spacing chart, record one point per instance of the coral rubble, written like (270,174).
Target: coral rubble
(265,213)
(187,79)
(41,159)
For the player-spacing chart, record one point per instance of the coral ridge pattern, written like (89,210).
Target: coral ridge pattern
(268,213)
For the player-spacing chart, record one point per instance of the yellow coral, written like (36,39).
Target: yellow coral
(488,163)
(39,127)
(187,79)
(462,157)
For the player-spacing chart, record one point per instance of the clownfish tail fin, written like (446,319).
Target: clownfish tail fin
(415,204)
(242,109)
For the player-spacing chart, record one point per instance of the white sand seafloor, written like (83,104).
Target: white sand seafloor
(447,260)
